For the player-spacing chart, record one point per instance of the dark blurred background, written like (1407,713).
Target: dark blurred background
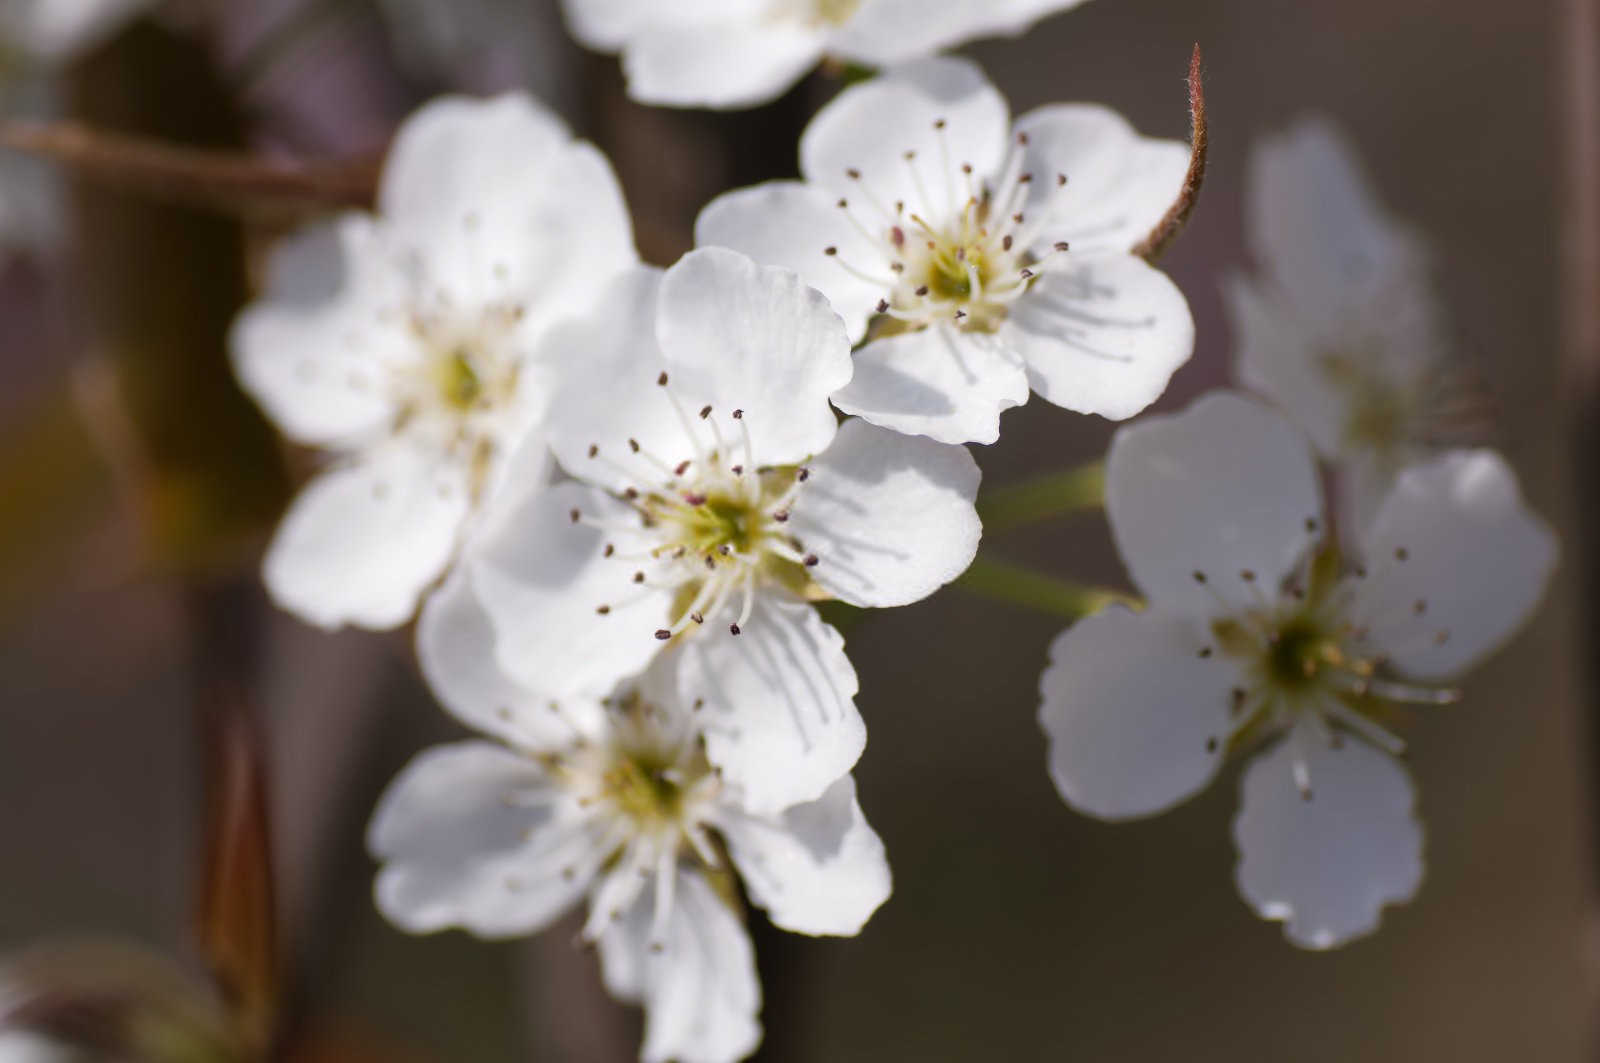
(1018,929)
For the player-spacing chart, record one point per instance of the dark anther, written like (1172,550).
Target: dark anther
(609,550)
(1205,651)
(883,306)
(853,173)
(697,618)
(594,450)
(680,468)
(1401,553)
(1025,274)
(1248,575)
(781,516)
(922,290)
(1061,245)
(1199,577)
(843,204)
(1024,178)
(733,629)
(705,411)
(830,250)
(938,123)
(803,475)
(1311,524)
(811,560)
(1211,745)
(575,515)
(1061,180)
(663,634)
(738,415)
(662,379)
(1005,244)
(1419,606)
(638,577)
(633,445)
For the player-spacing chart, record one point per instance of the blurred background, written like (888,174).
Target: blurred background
(137,488)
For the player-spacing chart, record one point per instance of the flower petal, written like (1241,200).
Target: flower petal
(1278,360)
(780,721)
(363,542)
(725,63)
(543,580)
(1455,536)
(1136,719)
(1101,334)
(1119,184)
(890,517)
(475,836)
(939,382)
(455,647)
(791,224)
(869,128)
(700,991)
(755,337)
(1326,865)
(605,25)
(504,208)
(883,32)
(818,868)
(1318,229)
(313,349)
(1223,488)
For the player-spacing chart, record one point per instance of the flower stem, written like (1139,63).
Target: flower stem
(1008,582)
(1056,493)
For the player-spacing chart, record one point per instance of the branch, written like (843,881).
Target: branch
(1177,216)
(219,180)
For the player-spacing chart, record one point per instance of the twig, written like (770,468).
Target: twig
(225,181)
(1172,222)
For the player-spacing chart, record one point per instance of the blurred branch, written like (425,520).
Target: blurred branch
(1053,494)
(231,182)
(1007,582)
(1171,224)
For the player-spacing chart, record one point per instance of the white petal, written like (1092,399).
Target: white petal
(869,127)
(473,835)
(890,517)
(362,542)
(313,349)
(504,208)
(1278,359)
(1327,865)
(1473,554)
(455,647)
(1119,184)
(883,32)
(700,991)
(790,224)
(723,63)
(1136,719)
(543,578)
(1317,226)
(818,868)
(1224,487)
(939,382)
(606,363)
(604,25)
(23,1046)
(756,338)
(1101,334)
(780,721)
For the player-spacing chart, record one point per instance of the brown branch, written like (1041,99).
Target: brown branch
(1177,216)
(217,180)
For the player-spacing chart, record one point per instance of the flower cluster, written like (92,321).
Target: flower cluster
(613,495)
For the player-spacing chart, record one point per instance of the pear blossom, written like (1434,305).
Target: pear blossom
(714,498)
(1258,639)
(738,53)
(403,344)
(612,801)
(1341,328)
(976,258)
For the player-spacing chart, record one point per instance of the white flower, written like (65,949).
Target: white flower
(613,801)
(1253,635)
(976,258)
(737,53)
(1341,328)
(24,1046)
(402,344)
(716,496)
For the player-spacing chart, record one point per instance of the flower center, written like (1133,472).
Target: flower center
(711,528)
(460,386)
(961,252)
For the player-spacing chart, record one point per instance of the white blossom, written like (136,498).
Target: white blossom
(715,497)
(402,344)
(976,258)
(1255,634)
(738,53)
(1341,326)
(613,801)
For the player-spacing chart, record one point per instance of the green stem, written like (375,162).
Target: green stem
(1056,493)
(1008,582)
